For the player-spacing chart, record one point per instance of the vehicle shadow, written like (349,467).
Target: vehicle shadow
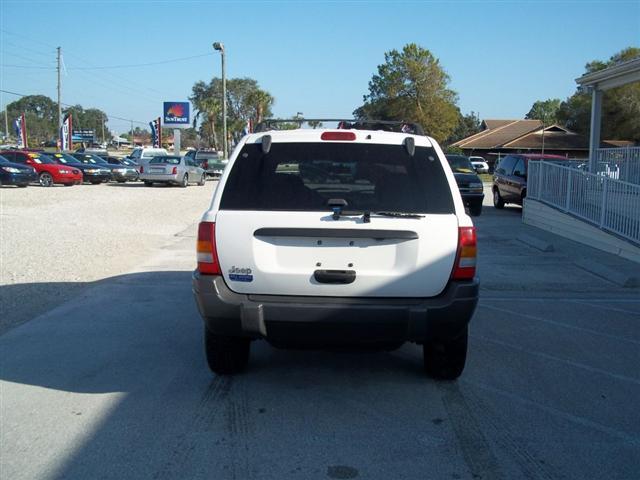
(138,338)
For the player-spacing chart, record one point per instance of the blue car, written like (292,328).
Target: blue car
(16,173)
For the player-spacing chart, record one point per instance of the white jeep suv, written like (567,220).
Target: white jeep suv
(333,237)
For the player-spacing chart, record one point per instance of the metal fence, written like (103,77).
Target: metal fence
(620,163)
(610,204)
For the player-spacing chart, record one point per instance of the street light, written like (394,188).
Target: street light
(220,47)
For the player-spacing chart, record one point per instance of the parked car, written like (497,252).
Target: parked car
(142,155)
(468,182)
(209,160)
(119,173)
(16,173)
(172,169)
(334,238)
(49,172)
(510,177)
(100,152)
(479,164)
(91,173)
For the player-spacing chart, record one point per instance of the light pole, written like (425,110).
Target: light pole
(220,47)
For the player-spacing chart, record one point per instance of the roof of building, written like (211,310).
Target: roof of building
(523,135)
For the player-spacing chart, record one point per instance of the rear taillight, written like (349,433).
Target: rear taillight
(206,249)
(174,171)
(465,266)
(343,136)
(141,169)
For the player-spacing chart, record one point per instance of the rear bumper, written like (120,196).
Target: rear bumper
(469,198)
(159,177)
(309,320)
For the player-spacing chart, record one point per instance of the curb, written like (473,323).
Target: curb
(535,242)
(608,273)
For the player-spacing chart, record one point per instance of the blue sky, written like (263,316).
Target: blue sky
(315,57)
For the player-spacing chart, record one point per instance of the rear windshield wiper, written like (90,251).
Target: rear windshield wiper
(398,214)
(366,215)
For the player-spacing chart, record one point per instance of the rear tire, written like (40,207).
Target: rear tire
(498,202)
(45,179)
(185,181)
(202,179)
(445,359)
(226,355)
(475,209)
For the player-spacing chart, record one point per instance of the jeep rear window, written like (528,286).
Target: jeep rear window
(304,176)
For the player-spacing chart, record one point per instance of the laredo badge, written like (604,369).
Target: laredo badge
(240,274)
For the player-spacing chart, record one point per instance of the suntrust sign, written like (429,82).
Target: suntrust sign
(176,115)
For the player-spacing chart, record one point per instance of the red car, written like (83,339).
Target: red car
(49,172)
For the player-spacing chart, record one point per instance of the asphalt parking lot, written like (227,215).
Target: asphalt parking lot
(112,383)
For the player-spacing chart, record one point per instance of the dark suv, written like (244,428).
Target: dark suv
(469,183)
(510,177)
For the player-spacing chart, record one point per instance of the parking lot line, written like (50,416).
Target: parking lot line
(546,356)
(558,324)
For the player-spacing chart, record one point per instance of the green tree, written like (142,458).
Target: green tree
(620,106)
(245,101)
(41,117)
(411,85)
(90,119)
(545,111)
(467,125)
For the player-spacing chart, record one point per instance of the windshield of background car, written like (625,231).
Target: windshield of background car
(86,159)
(460,164)
(37,158)
(304,176)
(206,156)
(66,159)
(168,160)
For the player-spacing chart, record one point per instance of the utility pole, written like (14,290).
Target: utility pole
(6,123)
(133,145)
(59,98)
(103,139)
(220,47)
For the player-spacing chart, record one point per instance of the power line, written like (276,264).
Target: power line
(35,67)
(71,106)
(160,62)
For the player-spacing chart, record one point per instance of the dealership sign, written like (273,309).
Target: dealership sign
(83,136)
(176,115)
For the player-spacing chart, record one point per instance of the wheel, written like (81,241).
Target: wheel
(445,359)
(498,202)
(185,181)
(148,184)
(45,179)
(475,209)
(226,355)
(203,179)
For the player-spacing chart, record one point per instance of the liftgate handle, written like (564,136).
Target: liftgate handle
(335,276)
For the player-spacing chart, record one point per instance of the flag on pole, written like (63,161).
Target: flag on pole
(21,131)
(248,128)
(65,134)
(156,132)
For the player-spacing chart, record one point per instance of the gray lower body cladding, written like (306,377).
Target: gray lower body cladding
(295,320)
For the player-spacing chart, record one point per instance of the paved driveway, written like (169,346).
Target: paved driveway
(113,385)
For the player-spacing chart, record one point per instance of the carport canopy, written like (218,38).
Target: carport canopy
(616,76)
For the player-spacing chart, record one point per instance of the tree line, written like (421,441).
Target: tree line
(41,116)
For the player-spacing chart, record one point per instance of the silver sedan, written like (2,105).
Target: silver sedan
(173,170)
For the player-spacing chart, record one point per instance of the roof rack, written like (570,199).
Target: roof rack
(399,126)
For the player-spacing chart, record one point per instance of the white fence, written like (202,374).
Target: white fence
(610,204)
(620,163)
